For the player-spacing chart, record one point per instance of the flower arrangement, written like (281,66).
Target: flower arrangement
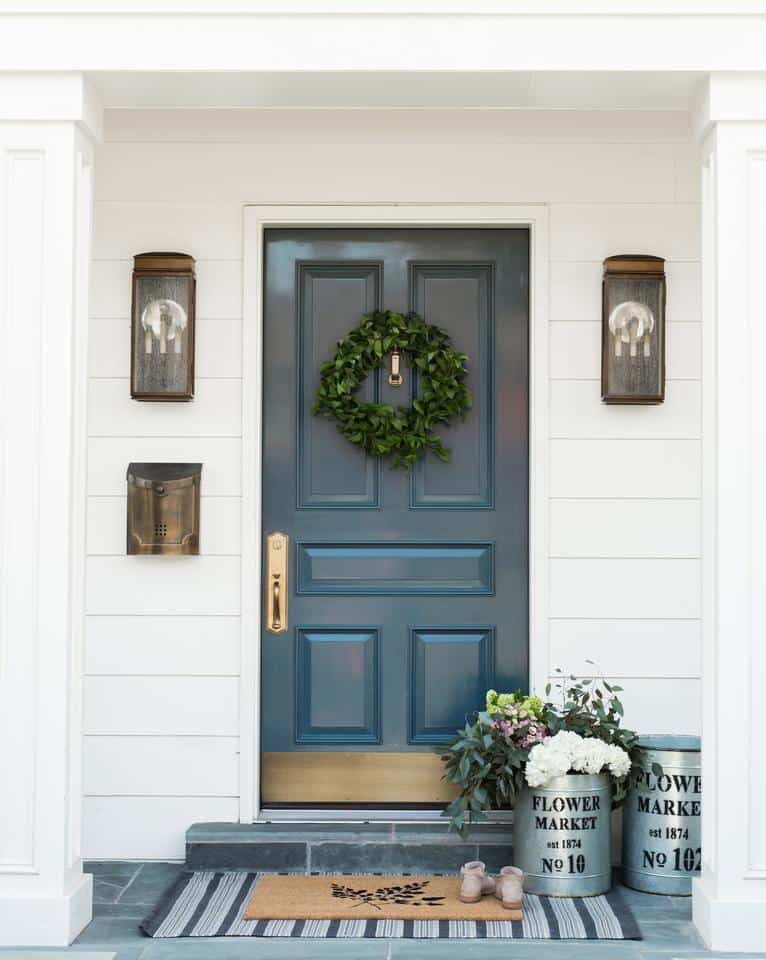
(487,757)
(520,740)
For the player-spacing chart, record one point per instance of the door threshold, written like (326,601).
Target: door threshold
(355,815)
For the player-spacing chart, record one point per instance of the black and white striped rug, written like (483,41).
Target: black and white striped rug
(208,903)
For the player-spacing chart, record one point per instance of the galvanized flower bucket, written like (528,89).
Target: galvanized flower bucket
(661,849)
(562,836)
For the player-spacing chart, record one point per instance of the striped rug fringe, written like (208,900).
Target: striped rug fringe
(208,903)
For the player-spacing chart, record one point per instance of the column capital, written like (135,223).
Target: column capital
(729,97)
(45,97)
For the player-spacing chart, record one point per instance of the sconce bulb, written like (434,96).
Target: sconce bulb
(629,323)
(163,320)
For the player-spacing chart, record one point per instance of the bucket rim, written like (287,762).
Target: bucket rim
(574,782)
(678,743)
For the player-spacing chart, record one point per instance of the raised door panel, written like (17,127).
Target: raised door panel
(332,473)
(324,713)
(458,297)
(450,671)
(395,569)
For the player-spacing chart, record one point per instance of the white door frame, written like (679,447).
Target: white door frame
(259,217)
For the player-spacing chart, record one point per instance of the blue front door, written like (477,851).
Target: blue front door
(406,595)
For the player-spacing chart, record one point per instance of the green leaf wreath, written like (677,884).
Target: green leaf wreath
(403,434)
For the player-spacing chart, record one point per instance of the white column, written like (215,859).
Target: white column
(47,128)
(730,897)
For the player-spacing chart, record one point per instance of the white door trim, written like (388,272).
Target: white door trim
(259,217)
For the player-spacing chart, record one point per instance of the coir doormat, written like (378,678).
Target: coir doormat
(368,897)
(207,903)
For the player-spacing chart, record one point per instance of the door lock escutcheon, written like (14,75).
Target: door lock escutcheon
(276,582)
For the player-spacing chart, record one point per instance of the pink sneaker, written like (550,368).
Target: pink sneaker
(475,883)
(509,887)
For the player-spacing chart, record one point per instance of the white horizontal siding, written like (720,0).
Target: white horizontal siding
(642,468)
(205,586)
(578,412)
(595,231)
(161,696)
(492,172)
(160,766)
(646,589)
(162,645)
(207,231)
(215,411)
(688,179)
(625,528)
(146,828)
(170,706)
(162,642)
(627,648)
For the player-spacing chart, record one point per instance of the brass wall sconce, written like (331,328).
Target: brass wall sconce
(633,330)
(162,327)
(163,508)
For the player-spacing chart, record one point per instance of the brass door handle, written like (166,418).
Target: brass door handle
(276,579)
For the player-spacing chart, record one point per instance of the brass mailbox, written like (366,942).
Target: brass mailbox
(163,508)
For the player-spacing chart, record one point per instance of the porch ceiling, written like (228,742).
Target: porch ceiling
(523,90)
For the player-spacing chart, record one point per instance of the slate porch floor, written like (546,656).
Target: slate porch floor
(125,892)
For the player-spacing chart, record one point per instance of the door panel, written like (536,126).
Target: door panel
(463,290)
(323,656)
(395,569)
(449,668)
(408,591)
(328,294)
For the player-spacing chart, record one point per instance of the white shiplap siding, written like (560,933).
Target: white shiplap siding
(162,638)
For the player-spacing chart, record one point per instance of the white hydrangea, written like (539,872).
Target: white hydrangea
(590,756)
(546,762)
(565,741)
(569,751)
(619,762)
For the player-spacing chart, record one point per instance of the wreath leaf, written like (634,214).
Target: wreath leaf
(405,434)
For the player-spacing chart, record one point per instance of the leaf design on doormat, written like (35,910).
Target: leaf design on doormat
(409,894)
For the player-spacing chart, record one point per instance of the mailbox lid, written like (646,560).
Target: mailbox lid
(172,476)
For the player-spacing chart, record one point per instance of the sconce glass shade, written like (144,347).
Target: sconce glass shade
(162,331)
(633,330)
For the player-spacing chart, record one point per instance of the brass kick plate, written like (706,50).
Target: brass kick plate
(276,582)
(351,777)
